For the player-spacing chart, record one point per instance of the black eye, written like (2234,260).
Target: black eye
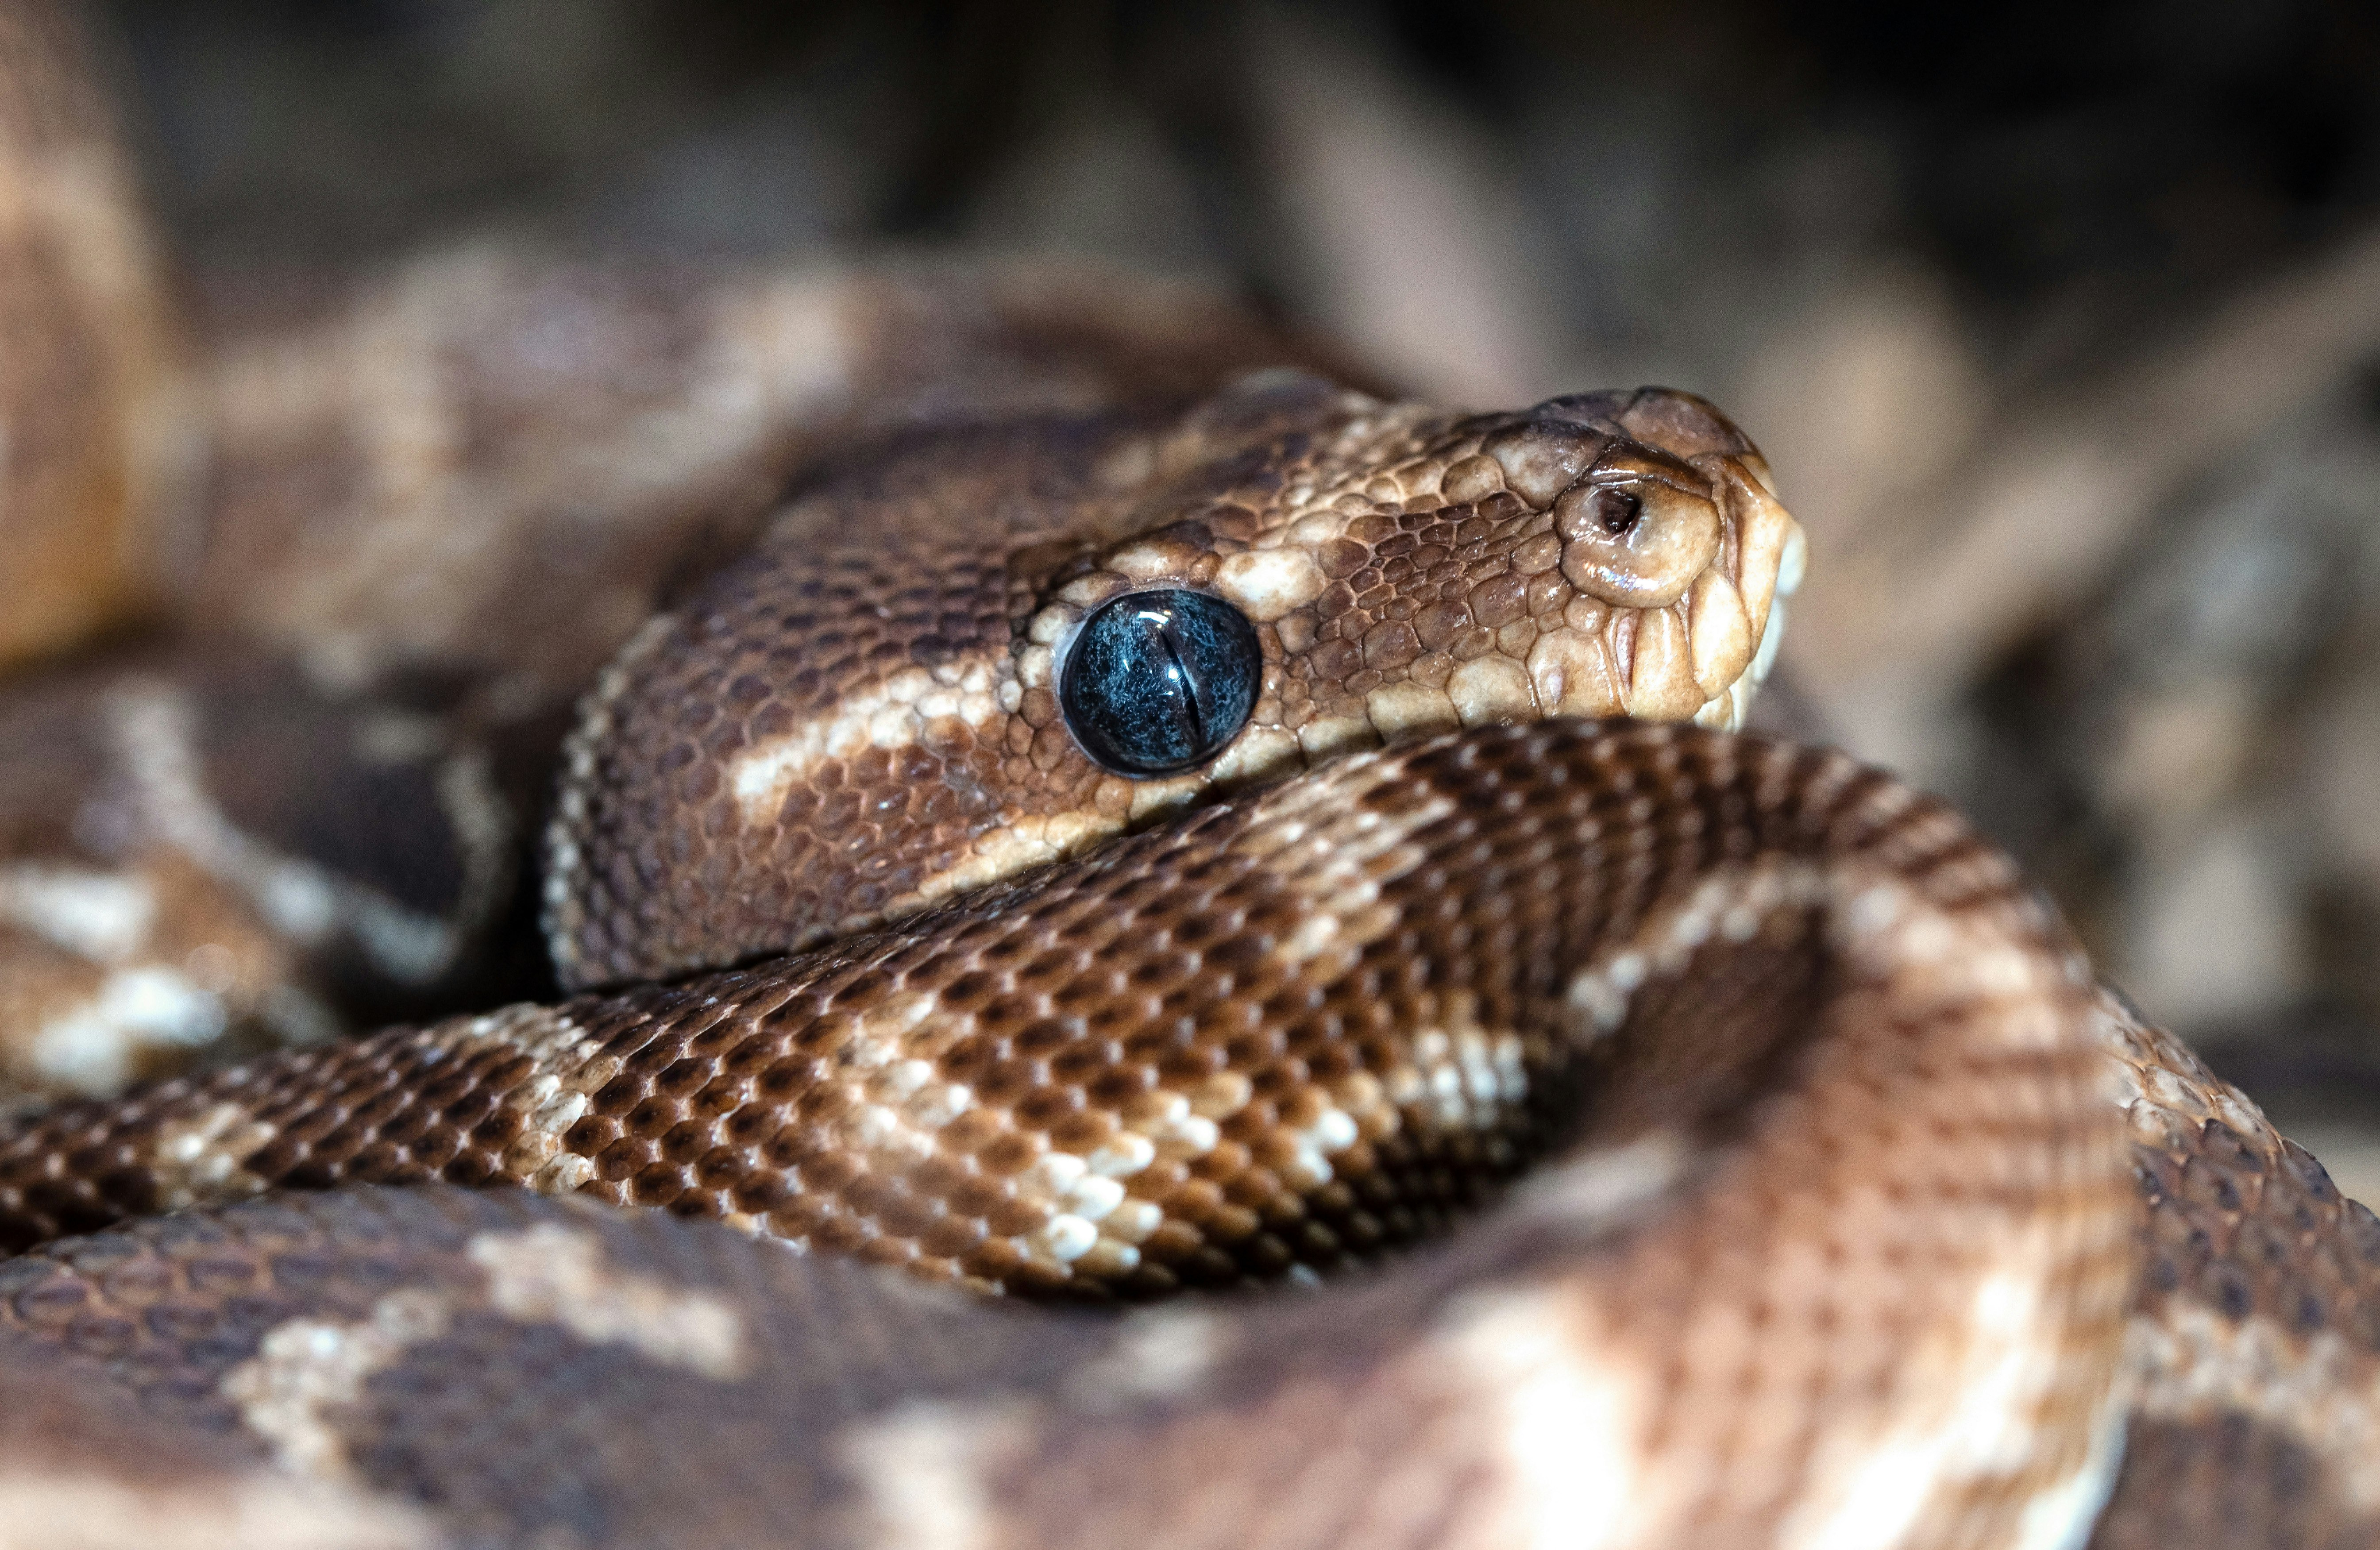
(1159,681)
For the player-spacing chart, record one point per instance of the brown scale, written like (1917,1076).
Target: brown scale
(136,1347)
(2253,1423)
(1078,1012)
(1476,879)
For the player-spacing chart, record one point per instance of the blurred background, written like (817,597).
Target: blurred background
(2061,325)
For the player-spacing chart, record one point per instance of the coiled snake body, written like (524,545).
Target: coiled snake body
(1648,1135)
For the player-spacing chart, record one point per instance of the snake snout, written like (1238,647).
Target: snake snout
(1671,537)
(1637,523)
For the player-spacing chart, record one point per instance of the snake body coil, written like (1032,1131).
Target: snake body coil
(1137,818)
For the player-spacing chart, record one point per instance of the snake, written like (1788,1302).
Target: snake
(1153,945)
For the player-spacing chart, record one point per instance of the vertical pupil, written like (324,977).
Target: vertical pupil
(1181,678)
(1158,682)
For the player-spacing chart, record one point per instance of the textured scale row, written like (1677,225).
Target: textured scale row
(1744,984)
(1286,1034)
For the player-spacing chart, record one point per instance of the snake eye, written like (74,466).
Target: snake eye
(1158,682)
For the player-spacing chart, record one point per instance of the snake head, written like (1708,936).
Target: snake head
(989,647)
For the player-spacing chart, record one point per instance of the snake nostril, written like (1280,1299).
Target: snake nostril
(1158,681)
(1636,539)
(1617,509)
